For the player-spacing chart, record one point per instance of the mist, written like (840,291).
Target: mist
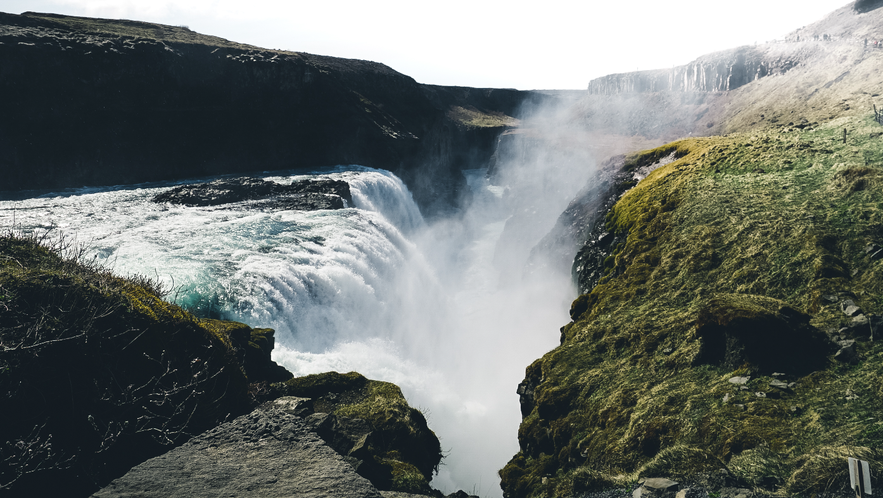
(459,320)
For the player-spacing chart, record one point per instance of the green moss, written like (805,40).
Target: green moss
(752,229)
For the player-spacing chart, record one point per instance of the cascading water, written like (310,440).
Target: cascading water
(369,288)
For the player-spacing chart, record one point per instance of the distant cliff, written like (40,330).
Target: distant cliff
(717,72)
(100,102)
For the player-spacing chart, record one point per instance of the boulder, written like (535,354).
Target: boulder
(267,453)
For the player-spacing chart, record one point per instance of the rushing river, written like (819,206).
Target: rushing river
(371,288)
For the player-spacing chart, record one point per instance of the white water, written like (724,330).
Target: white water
(370,288)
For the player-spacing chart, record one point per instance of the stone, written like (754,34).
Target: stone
(845,304)
(852,310)
(829,299)
(690,493)
(736,493)
(778,384)
(760,394)
(656,487)
(739,380)
(847,352)
(267,453)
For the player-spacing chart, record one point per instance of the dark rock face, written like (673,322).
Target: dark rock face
(583,222)
(267,453)
(306,195)
(102,102)
(761,331)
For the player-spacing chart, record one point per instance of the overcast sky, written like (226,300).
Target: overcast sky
(549,44)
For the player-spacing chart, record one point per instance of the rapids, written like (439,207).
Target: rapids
(371,288)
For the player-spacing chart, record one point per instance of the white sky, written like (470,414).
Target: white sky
(553,44)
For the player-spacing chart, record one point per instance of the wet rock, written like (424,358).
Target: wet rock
(305,195)
(656,487)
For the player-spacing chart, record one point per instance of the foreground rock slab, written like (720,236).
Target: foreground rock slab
(267,453)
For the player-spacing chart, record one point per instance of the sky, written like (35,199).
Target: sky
(553,44)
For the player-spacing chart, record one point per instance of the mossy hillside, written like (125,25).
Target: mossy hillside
(98,372)
(766,224)
(401,440)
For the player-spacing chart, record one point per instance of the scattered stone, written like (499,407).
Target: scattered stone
(847,352)
(871,248)
(830,299)
(851,395)
(852,310)
(860,320)
(760,394)
(690,493)
(736,493)
(784,386)
(667,351)
(656,487)
(739,380)
(845,304)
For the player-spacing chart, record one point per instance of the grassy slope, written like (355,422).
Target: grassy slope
(782,212)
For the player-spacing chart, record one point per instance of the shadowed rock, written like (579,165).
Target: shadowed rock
(765,332)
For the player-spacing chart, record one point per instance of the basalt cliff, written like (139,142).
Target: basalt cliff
(104,102)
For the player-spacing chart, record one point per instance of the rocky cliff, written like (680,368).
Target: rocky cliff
(729,291)
(98,374)
(101,102)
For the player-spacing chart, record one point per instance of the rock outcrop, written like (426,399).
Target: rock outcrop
(303,195)
(102,102)
(267,453)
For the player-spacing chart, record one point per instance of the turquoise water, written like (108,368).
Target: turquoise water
(371,288)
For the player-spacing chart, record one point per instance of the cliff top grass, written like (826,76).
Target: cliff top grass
(474,118)
(133,29)
(765,230)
